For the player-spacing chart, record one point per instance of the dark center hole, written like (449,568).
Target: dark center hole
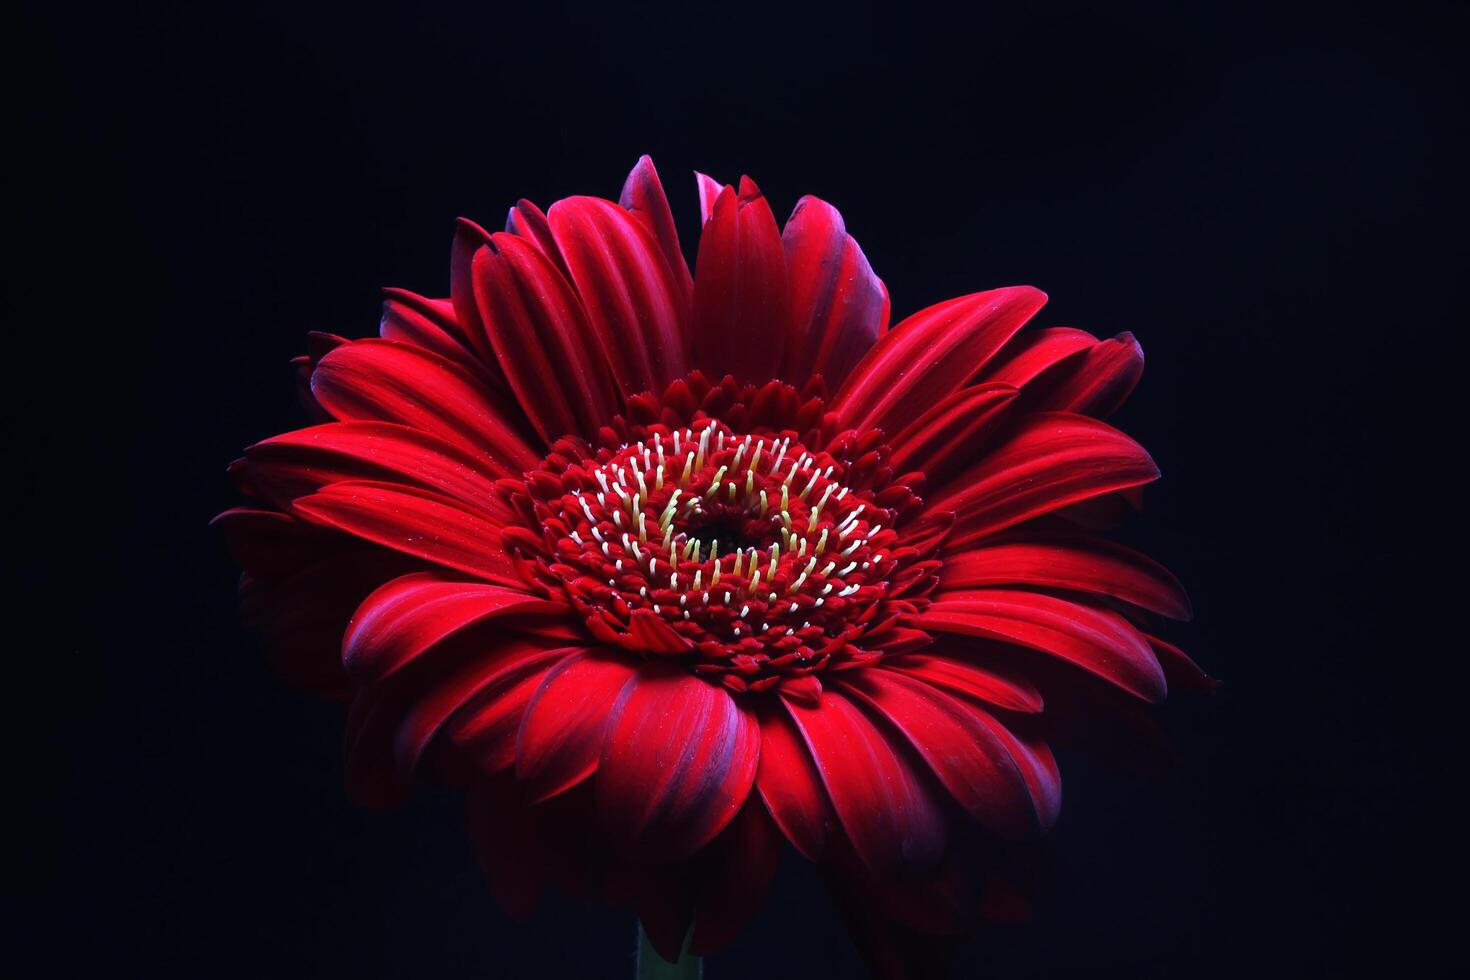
(732,530)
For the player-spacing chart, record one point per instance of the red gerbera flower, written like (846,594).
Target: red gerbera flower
(664,568)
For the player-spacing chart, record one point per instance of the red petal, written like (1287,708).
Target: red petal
(267,542)
(643,195)
(1035,352)
(468,238)
(484,730)
(430,323)
(506,840)
(546,347)
(709,192)
(952,434)
(627,290)
(1098,641)
(298,463)
(1099,382)
(1051,461)
(732,889)
(560,739)
(414,522)
(888,813)
(411,615)
(526,221)
(1079,563)
(391,724)
(432,709)
(790,785)
(1183,673)
(741,322)
(380,380)
(973,680)
(1038,768)
(931,355)
(959,747)
(838,306)
(678,762)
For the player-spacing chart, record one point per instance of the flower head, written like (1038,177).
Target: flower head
(664,568)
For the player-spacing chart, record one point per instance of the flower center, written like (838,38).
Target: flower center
(748,556)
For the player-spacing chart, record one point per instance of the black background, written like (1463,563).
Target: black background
(1256,193)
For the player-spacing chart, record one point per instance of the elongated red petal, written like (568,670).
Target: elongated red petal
(736,881)
(1098,641)
(952,434)
(433,707)
(709,192)
(930,355)
(468,239)
(546,347)
(380,380)
(297,463)
(409,616)
(838,306)
(741,310)
(390,725)
(561,735)
(678,762)
(527,221)
(988,684)
(627,290)
(888,812)
(643,195)
(430,323)
(1097,382)
(484,729)
(1038,767)
(1036,351)
(414,522)
(268,542)
(1050,461)
(1183,673)
(790,784)
(1074,562)
(958,746)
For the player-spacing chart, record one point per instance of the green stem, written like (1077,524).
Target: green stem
(652,966)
